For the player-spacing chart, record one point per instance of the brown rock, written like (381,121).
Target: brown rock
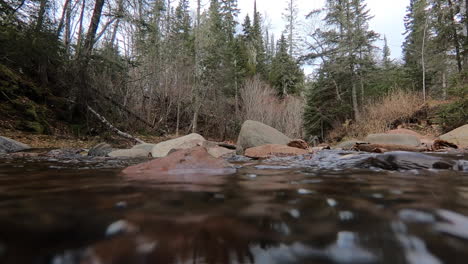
(269,150)
(298,143)
(188,165)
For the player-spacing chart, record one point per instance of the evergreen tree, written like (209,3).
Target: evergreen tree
(285,75)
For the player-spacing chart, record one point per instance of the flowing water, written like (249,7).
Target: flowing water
(323,209)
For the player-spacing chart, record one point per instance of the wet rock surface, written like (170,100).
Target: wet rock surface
(273,150)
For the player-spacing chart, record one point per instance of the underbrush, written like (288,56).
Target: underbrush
(260,103)
(382,115)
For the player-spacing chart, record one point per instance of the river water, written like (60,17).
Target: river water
(300,210)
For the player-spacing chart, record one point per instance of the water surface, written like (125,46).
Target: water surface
(278,211)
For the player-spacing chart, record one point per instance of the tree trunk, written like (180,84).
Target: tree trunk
(355,101)
(41,15)
(80,30)
(444,85)
(92,29)
(63,17)
(67,37)
(196,95)
(456,43)
(423,63)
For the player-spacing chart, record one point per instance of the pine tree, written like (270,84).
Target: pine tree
(345,47)
(285,75)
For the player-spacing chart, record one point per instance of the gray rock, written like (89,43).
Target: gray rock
(393,139)
(130,153)
(348,144)
(457,136)
(189,141)
(219,152)
(146,146)
(100,150)
(254,134)
(8,145)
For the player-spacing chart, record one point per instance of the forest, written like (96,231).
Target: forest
(170,67)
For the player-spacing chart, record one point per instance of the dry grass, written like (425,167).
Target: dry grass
(381,115)
(260,103)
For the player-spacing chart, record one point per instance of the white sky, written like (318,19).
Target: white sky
(388,16)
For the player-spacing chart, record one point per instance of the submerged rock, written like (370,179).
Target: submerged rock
(186,142)
(457,136)
(8,145)
(269,150)
(254,134)
(183,165)
(402,160)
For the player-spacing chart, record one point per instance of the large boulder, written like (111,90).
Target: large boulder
(271,150)
(394,139)
(254,134)
(8,145)
(162,149)
(146,146)
(180,166)
(130,153)
(100,150)
(457,136)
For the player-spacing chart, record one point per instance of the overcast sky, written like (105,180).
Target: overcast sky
(388,16)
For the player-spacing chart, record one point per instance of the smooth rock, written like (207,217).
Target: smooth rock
(269,150)
(146,146)
(348,144)
(393,139)
(219,152)
(189,165)
(100,150)
(254,134)
(8,145)
(130,153)
(404,131)
(162,149)
(457,136)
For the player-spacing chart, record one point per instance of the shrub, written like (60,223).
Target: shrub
(382,115)
(260,103)
(453,115)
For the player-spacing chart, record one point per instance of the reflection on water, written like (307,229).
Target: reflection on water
(269,212)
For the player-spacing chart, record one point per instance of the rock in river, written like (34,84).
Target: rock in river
(457,136)
(100,150)
(394,139)
(162,149)
(181,166)
(254,134)
(269,150)
(130,153)
(8,145)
